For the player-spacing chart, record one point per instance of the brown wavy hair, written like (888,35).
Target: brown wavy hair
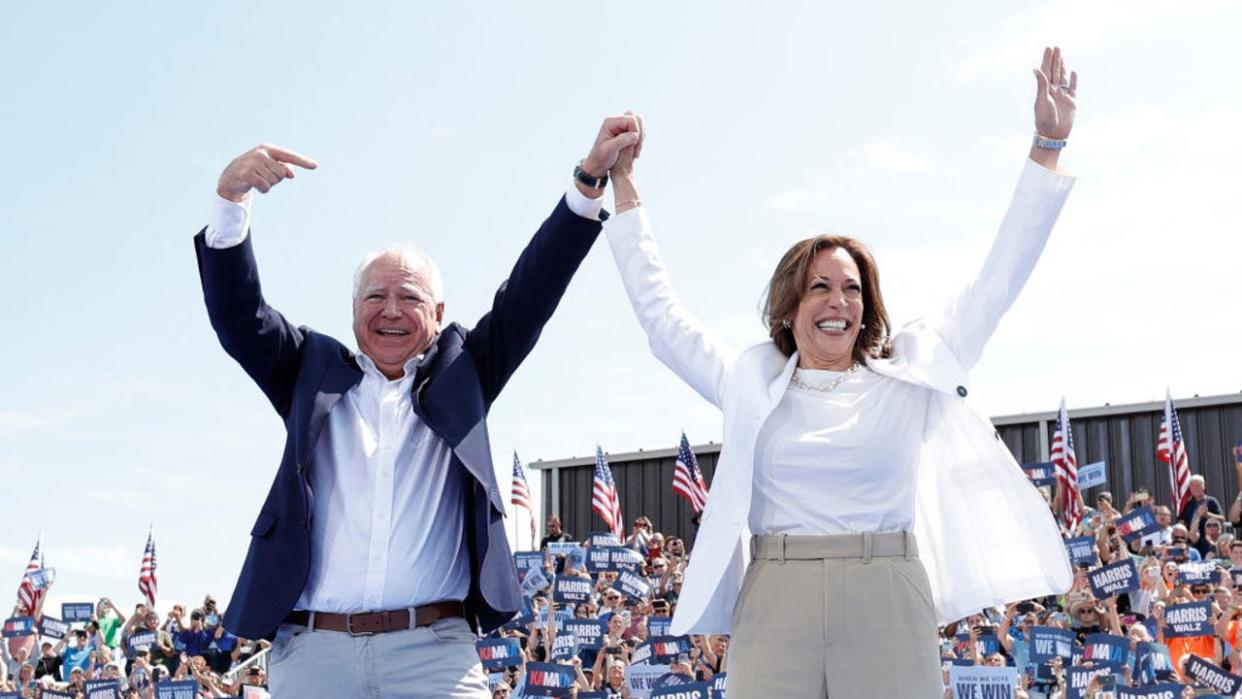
(788,286)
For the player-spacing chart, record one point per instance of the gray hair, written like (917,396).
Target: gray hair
(1198,479)
(411,256)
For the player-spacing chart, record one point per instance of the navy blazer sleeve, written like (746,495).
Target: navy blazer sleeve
(266,345)
(525,301)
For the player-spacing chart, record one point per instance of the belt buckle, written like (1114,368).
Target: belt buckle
(349,625)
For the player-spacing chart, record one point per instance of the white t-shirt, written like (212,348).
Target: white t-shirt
(839,462)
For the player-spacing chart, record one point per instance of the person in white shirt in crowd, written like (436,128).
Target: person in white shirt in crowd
(833,431)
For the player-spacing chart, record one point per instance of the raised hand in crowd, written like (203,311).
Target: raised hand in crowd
(615,135)
(261,168)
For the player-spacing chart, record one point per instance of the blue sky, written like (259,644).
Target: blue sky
(455,126)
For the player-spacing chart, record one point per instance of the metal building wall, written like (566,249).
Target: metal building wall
(1122,436)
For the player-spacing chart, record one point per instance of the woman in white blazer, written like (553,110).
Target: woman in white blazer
(881,503)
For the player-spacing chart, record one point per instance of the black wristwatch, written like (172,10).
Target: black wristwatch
(588,179)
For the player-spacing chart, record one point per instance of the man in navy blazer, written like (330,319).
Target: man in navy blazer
(380,550)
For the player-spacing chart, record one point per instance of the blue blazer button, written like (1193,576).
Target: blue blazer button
(961,391)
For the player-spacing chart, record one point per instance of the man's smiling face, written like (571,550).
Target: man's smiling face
(395,314)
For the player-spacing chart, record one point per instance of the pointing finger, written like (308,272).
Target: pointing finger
(285,155)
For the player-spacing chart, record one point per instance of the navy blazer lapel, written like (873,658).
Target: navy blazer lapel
(341,374)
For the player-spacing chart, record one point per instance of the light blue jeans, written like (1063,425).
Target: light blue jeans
(429,662)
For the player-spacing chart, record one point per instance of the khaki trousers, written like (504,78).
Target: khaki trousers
(841,616)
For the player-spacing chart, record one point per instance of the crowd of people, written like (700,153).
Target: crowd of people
(1167,556)
(138,651)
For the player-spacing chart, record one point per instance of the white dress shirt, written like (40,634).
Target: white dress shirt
(840,462)
(388,511)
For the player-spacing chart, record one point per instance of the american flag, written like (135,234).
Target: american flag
(147,583)
(687,479)
(1065,465)
(521,493)
(27,595)
(604,499)
(1172,450)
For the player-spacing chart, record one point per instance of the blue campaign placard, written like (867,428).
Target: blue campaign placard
(1077,679)
(599,559)
(1154,663)
(625,558)
(76,611)
(535,581)
(548,679)
(1114,579)
(526,561)
(18,695)
(1048,643)
(593,695)
(1137,524)
(1081,550)
(694,690)
(103,689)
(183,689)
(1041,474)
(561,548)
(633,586)
(1190,619)
(603,539)
(19,626)
(1212,675)
(1091,475)
(52,627)
(978,681)
(568,589)
(986,644)
(1105,648)
(589,632)
(718,686)
(658,625)
(564,647)
(1168,690)
(665,649)
(56,694)
(1198,573)
(499,653)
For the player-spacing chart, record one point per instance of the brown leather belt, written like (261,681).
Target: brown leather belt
(369,623)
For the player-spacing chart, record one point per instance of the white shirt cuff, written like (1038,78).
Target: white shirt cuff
(583,205)
(228,224)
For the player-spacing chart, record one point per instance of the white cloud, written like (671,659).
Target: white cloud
(1008,47)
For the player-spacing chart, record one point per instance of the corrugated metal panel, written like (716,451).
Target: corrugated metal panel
(1122,436)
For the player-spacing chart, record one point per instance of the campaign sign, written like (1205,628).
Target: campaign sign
(76,611)
(633,586)
(1048,643)
(18,695)
(625,558)
(53,694)
(548,680)
(1077,679)
(564,647)
(694,690)
(603,539)
(1114,579)
(642,655)
(1041,474)
(718,686)
(1169,690)
(985,644)
(599,559)
(1154,663)
(53,627)
(1198,573)
(1190,619)
(499,653)
(41,579)
(1137,524)
(561,548)
(1236,573)
(1081,550)
(571,589)
(576,559)
(534,582)
(183,689)
(665,649)
(1210,675)
(103,689)
(1105,648)
(982,681)
(588,632)
(19,626)
(1092,474)
(526,561)
(522,618)
(594,695)
(658,625)
(142,640)
(641,679)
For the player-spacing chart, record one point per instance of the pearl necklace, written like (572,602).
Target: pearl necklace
(823,388)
